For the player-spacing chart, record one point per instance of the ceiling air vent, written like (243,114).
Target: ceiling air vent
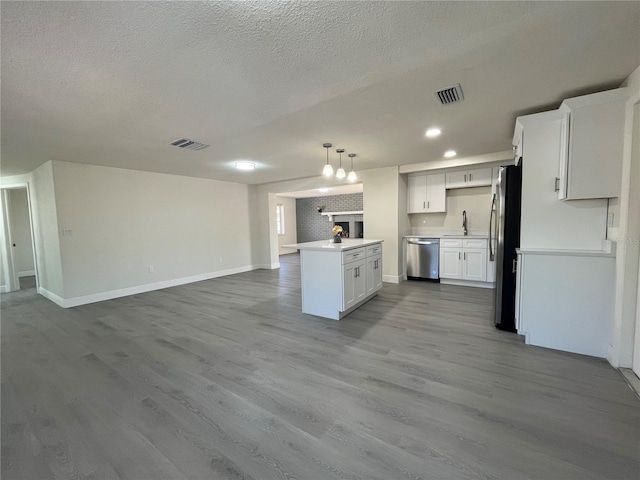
(189,144)
(452,94)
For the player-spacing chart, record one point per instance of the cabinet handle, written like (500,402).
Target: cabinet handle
(557,184)
(428,203)
(465,178)
(424,204)
(470,176)
(465,255)
(458,255)
(514,267)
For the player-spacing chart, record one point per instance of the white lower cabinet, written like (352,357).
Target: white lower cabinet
(354,283)
(374,274)
(474,264)
(450,263)
(463,259)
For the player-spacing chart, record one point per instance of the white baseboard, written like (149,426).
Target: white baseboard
(27,273)
(466,283)
(267,266)
(4,288)
(52,296)
(125,292)
(392,278)
(612,361)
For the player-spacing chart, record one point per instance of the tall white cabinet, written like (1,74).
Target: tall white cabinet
(571,165)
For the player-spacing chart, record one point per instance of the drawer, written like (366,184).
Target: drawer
(475,243)
(374,249)
(352,255)
(451,242)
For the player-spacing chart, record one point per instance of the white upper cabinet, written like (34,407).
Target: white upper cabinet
(592,140)
(480,177)
(426,193)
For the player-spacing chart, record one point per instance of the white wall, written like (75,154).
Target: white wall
(475,201)
(21,232)
(381,202)
(124,221)
(45,218)
(289,236)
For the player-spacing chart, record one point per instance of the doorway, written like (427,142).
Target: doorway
(19,270)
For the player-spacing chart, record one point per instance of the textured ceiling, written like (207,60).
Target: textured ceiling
(112,83)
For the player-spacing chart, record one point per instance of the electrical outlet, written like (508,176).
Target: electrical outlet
(67,232)
(151,269)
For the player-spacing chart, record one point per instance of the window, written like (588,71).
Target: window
(280,219)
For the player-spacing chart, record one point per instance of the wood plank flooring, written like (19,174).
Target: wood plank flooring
(227,379)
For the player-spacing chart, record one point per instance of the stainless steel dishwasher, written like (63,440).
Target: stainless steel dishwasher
(423,258)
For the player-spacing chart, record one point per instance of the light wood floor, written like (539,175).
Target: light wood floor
(227,379)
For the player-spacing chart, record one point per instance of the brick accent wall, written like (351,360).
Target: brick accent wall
(312,226)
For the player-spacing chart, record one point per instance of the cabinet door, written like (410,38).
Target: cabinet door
(456,180)
(475,265)
(360,285)
(374,274)
(450,263)
(479,178)
(436,193)
(563,158)
(353,283)
(596,141)
(417,194)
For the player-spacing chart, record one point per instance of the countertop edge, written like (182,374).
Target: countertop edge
(326,246)
(567,253)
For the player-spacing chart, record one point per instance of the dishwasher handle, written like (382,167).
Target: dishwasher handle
(412,242)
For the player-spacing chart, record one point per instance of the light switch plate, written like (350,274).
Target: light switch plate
(67,232)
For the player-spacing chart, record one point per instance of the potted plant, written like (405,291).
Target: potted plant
(337,233)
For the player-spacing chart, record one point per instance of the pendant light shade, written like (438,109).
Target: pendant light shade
(327,171)
(352,175)
(340,174)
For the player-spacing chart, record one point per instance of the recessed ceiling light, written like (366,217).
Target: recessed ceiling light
(323,189)
(450,153)
(245,165)
(433,132)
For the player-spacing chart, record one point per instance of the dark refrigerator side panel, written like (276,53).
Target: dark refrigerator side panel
(510,233)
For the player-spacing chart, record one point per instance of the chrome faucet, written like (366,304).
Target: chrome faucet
(464,221)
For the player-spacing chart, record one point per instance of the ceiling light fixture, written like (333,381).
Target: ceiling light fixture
(450,153)
(323,189)
(352,175)
(340,174)
(433,132)
(327,171)
(245,165)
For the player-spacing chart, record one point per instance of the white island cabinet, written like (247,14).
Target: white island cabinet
(338,277)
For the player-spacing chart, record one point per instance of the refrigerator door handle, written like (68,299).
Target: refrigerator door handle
(492,253)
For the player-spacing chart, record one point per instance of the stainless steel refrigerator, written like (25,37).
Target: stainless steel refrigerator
(504,229)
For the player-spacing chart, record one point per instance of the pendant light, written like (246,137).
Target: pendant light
(327,171)
(340,174)
(352,175)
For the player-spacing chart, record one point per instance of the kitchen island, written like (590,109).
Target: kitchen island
(337,278)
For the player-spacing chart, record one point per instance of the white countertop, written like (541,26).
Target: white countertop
(565,252)
(328,245)
(445,235)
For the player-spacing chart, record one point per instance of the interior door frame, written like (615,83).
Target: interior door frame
(14,280)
